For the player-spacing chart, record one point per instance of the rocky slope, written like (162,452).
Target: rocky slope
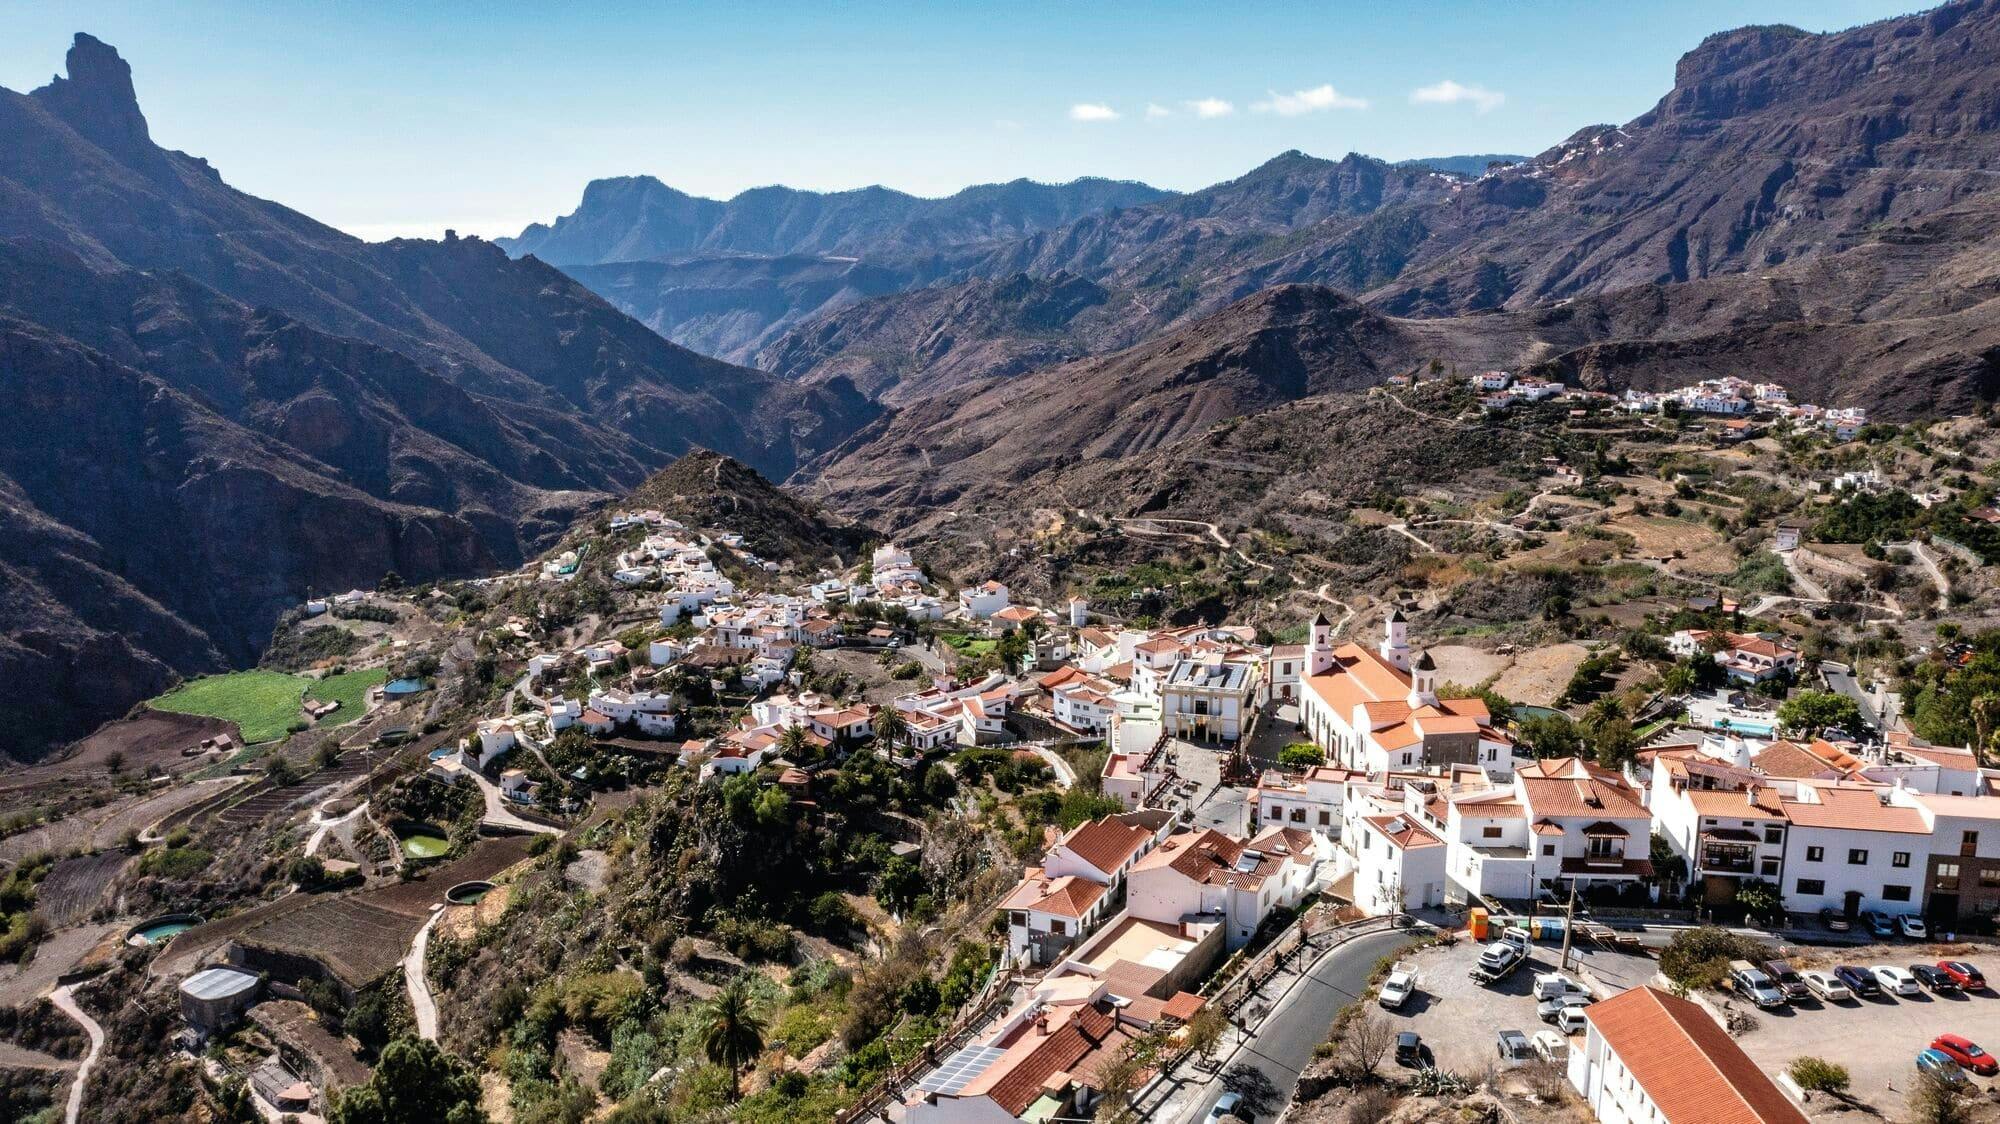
(1801,183)
(234,405)
(705,489)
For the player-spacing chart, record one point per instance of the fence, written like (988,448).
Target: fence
(991,1001)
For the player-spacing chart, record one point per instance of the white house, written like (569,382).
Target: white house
(1206,872)
(1075,887)
(1746,657)
(1208,696)
(1650,1058)
(1852,848)
(983,600)
(1311,802)
(1378,712)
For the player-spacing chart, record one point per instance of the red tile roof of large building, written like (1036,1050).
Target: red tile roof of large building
(1105,844)
(1688,1065)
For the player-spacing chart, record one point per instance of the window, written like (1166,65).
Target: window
(1490,832)
(1406,759)
(1548,848)
(1815,854)
(1769,868)
(1812,886)
(1988,878)
(1895,893)
(1968,844)
(1058,927)
(1325,817)
(1947,876)
(1018,917)
(1857,856)
(1900,859)
(1298,815)
(1774,835)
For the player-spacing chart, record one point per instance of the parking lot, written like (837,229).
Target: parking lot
(1876,1039)
(1459,1020)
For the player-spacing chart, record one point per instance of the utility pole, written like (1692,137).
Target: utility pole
(1569,923)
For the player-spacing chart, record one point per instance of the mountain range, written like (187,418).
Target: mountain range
(230,406)
(226,406)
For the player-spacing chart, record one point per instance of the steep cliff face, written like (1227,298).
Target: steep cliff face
(235,405)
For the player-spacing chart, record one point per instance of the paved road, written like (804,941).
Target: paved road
(1266,1068)
(1839,678)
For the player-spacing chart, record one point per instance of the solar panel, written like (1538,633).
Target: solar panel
(958,1070)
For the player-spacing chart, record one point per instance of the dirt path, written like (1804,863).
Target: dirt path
(418,984)
(1403,529)
(66,1003)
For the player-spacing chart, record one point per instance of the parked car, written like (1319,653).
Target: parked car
(1551,1046)
(1514,1046)
(1551,1009)
(1933,978)
(1969,1056)
(1229,1104)
(1572,1020)
(1894,980)
(1827,987)
(1963,973)
(1409,1049)
(1787,978)
(1397,988)
(1552,985)
(1879,924)
(1750,982)
(1858,981)
(1940,1063)
(1913,927)
(1834,920)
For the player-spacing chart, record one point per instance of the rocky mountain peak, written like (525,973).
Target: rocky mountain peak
(97,98)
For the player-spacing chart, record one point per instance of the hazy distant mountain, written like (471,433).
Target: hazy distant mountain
(1462,165)
(638,218)
(1816,209)
(222,405)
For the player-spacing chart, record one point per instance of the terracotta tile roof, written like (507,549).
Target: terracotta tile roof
(1544,827)
(1688,1065)
(1789,759)
(1105,844)
(1182,1006)
(1404,832)
(1724,804)
(1595,794)
(1855,809)
(1208,856)
(1067,896)
(1014,1083)
(1358,676)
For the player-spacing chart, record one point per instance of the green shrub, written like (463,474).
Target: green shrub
(1700,957)
(1818,1075)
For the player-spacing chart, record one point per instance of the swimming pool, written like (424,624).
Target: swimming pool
(160,929)
(1746,726)
(397,688)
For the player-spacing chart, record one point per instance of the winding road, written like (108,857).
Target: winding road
(65,1002)
(1264,1066)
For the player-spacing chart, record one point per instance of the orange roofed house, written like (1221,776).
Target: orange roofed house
(1077,885)
(1649,1058)
(1378,712)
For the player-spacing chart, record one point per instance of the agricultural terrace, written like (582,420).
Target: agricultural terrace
(265,704)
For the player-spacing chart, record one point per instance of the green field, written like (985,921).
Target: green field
(974,646)
(350,688)
(261,703)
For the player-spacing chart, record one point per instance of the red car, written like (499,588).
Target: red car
(1962,1051)
(1963,974)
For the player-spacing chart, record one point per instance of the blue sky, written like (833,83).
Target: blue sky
(408,118)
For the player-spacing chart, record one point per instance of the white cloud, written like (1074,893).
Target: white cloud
(1155,111)
(1308,101)
(1449,92)
(1092,111)
(1210,107)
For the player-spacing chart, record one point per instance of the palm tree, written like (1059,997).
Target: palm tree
(734,1035)
(890,726)
(794,743)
